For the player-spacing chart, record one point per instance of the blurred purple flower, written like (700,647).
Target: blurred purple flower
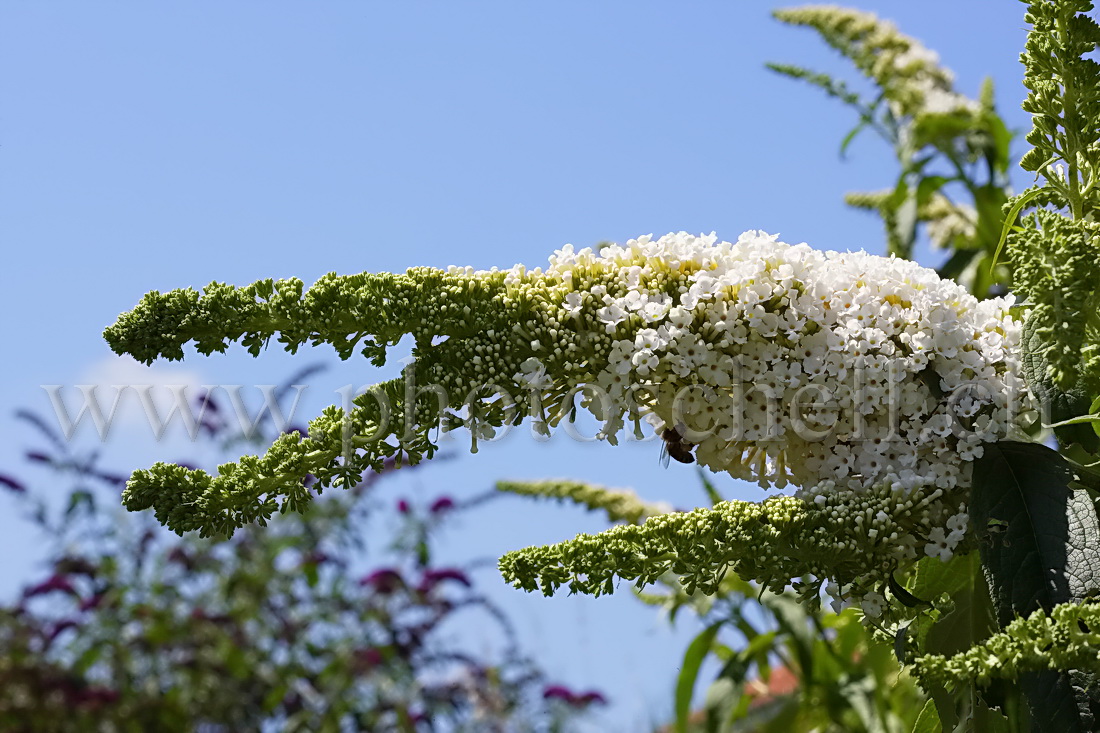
(432,578)
(591,698)
(38,457)
(403,506)
(178,554)
(12,484)
(112,478)
(383,580)
(558,692)
(59,628)
(205,398)
(442,504)
(584,699)
(53,583)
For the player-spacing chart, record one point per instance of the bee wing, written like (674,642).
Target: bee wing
(664,454)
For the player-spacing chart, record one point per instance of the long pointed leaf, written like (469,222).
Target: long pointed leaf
(1010,220)
(689,672)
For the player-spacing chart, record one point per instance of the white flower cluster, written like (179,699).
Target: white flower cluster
(834,372)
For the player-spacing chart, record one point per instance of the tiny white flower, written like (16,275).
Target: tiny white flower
(872,604)
(645,361)
(938,545)
(573,304)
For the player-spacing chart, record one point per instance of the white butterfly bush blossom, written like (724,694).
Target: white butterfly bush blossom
(860,388)
(842,375)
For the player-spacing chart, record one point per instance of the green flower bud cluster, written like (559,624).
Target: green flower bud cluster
(1064,100)
(620,505)
(851,538)
(1066,639)
(1057,269)
(485,327)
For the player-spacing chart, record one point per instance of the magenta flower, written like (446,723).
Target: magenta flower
(591,698)
(59,628)
(51,584)
(557,692)
(581,700)
(383,580)
(442,504)
(432,578)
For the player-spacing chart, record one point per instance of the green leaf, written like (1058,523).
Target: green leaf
(721,699)
(80,498)
(968,617)
(928,721)
(904,596)
(958,263)
(860,694)
(852,135)
(901,641)
(929,185)
(1040,546)
(312,573)
(905,223)
(708,486)
(87,658)
(1048,551)
(989,201)
(1002,140)
(689,671)
(1010,220)
(1057,405)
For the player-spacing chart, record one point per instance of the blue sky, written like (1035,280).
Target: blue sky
(151,146)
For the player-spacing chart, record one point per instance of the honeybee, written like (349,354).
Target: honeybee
(675,446)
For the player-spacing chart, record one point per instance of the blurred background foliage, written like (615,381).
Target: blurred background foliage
(953,152)
(279,628)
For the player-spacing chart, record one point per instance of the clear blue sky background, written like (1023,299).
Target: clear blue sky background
(158,146)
